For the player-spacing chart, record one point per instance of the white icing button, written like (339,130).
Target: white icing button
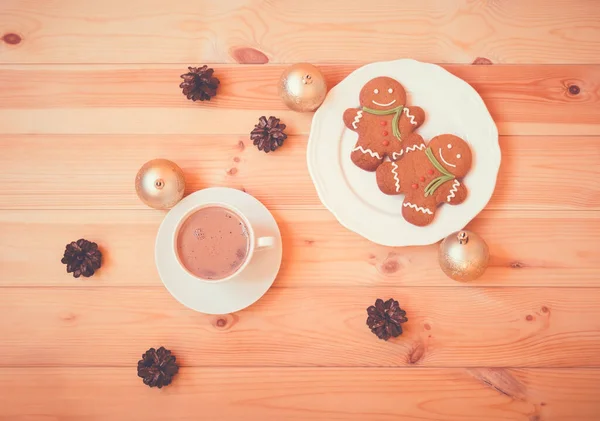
(449,145)
(390,90)
(376,91)
(458,156)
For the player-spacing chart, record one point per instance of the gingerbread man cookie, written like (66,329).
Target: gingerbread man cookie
(428,175)
(382,122)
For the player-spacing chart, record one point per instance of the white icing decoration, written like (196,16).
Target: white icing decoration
(375,91)
(396,155)
(458,156)
(412,117)
(369,151)
(446,162)
(449,145)
(390,90)
(415,147)
(453,190)
(359,115)
(417,208)
(394,171)
(383,105)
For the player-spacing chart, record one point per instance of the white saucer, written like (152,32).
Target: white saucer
(451,106)
(220,297)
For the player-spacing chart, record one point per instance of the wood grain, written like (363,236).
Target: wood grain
(415,394)
(180,31)
(118,99)
(98,172)
(317,250)
(89,92)
(448,327)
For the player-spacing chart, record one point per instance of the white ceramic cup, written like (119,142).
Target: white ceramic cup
(255,244)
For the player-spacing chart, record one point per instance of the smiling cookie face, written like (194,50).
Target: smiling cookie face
(453,153)
(382,93)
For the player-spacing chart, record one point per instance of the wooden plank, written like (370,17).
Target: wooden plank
(252,31)
(318,251)
(448,327)
(87,172)
(414,394)
(524,100)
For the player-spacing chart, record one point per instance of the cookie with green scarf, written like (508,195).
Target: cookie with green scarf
(382,121)
(427,176)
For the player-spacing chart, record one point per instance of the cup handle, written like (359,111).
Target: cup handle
(264,242)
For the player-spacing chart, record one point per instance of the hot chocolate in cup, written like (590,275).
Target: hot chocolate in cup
(215,242)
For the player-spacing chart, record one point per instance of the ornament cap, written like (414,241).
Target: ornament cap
(462,237)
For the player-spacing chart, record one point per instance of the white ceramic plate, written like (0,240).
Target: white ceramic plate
(351,194)
(228,296)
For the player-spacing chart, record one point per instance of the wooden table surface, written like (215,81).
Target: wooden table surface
(89,92)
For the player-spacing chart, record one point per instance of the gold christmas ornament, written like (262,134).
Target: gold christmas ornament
(160,183)
(463,256)
(302,87)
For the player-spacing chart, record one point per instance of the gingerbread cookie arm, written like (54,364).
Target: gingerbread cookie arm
(389,176)
(452,192)
(411,119)
(352,118)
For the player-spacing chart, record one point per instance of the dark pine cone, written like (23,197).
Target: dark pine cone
(82,257)
(157,368)
(268,134)
(385,318)
(199,83)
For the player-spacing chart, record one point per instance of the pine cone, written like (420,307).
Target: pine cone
(268,134)
(82,257)
(385,318)
(199,83)
(157,368)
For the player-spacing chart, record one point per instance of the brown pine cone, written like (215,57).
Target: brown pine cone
(157,367)
(82,257)
(268,134)
(385,318)
(199,83)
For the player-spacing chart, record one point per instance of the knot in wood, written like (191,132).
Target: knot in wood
(574,90)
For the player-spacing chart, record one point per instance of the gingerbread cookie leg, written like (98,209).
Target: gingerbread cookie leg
(395,150)
(421,213)
(366,158)
(413,142)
